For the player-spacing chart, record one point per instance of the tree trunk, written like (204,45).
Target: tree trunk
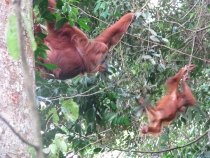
(15,105)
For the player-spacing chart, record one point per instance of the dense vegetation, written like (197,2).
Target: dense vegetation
(92,114)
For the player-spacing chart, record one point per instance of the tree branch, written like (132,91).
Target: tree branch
(17,134)
(161,151)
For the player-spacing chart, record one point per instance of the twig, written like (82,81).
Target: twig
(48,120)
(169,48)
(161,151)
(145,4)
(81,94)
(17,134)
(193,42)
(89,14)
(89,145)
(151,41)
(189,10)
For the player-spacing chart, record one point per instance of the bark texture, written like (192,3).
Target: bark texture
(14,103)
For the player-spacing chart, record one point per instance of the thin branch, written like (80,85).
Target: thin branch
(204,28)
(82,94)
(17,134)
(89,14)
(152,41)
(48,120)
(89,145)
(190,10)
(145,4)
(161,151)
(193,41)
(175,50)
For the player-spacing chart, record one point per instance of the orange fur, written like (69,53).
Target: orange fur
(74,53)
(168,106)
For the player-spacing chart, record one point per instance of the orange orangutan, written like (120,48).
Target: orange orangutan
(168,107)
(74,53)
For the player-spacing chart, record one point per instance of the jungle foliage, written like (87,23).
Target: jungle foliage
(92,114)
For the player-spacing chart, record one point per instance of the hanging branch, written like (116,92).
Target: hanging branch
(161,151)
(17,134)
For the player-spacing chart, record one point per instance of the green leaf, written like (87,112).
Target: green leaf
(97,7)
(43,5)
(75,11)
(120,120)
(126,121)
(73,14)
(32,152)
(41,35)
(46,150)
(70,109)
(207,154)
(181,143)
(104,14)
(97,150)
(55,118)
(160,25)
(70,138)
(152,32)
(114,122)
(103,5)
(59,4)
(75,1)
(164,137)
(83,24)
(39,52)
(60,23)
(113,105)
(57,141)
(65,9)
(78,128)
(91,115)
(154,38)
(53,148)
(71,22)
(36,2)
(53,112)
(110,117)
(48,16)
(39,79)
(89,130)
(75,143)
(11,37)
(165,40)
(43,46)
(192,15)
(63,146)
(50,66)
(146,57)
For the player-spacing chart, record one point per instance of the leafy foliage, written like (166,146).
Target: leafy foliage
(11,37)
(91,114)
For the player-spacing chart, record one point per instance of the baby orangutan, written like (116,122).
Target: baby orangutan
(168,107)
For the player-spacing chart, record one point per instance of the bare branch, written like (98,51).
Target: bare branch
(17,134)
(161,151)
